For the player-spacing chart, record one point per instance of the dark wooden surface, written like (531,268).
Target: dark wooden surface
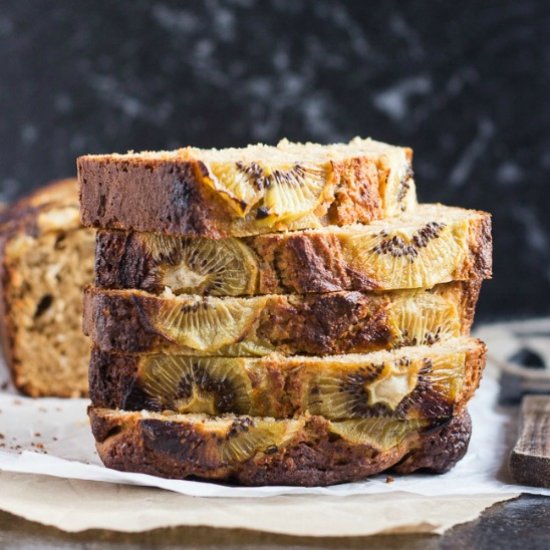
(522,523)
(530,458)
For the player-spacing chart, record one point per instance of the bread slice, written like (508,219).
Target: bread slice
(433,245)
(411,382)
(46,258)
(306,451)
(317,324)
(236,192)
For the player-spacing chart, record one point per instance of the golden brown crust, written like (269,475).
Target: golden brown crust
(23,215)
(435,383)
(313,324)
(314,455)
(482,248)
(298,263)
(33,232)
(168,194)
(26,209)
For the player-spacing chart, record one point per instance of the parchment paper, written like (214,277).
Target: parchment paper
(79,505)
(51,437)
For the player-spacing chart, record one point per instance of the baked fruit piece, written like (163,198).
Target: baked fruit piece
(317,324)
(237,192)
(306,451)
(413,382)
(432,245)
(46,259)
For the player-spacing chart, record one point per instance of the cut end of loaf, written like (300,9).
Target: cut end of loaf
(49,353)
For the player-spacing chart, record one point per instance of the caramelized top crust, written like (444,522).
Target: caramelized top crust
(50,208)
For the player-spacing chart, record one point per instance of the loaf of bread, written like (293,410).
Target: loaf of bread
(332,323)
(306,450)
(412,382)
(46,258)
(237,192)
(433,244)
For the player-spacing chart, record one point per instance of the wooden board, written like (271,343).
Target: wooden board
(530,458)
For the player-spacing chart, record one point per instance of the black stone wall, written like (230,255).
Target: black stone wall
(466,84)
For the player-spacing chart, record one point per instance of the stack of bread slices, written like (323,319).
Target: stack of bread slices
(279,315)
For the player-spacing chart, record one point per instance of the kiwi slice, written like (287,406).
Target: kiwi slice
(445,374)
(224,267)
(240,184)
(390,389)
(292,192)
(246,349)
(376,388)
(242,349)
(205,325)
(342,395)
(421,317)
(248,436)
(379,432)
(407,257)
(198,385)
(280,193)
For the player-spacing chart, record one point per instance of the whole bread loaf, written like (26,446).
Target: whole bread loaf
(46,258)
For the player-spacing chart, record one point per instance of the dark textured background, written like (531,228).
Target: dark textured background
(466,84)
